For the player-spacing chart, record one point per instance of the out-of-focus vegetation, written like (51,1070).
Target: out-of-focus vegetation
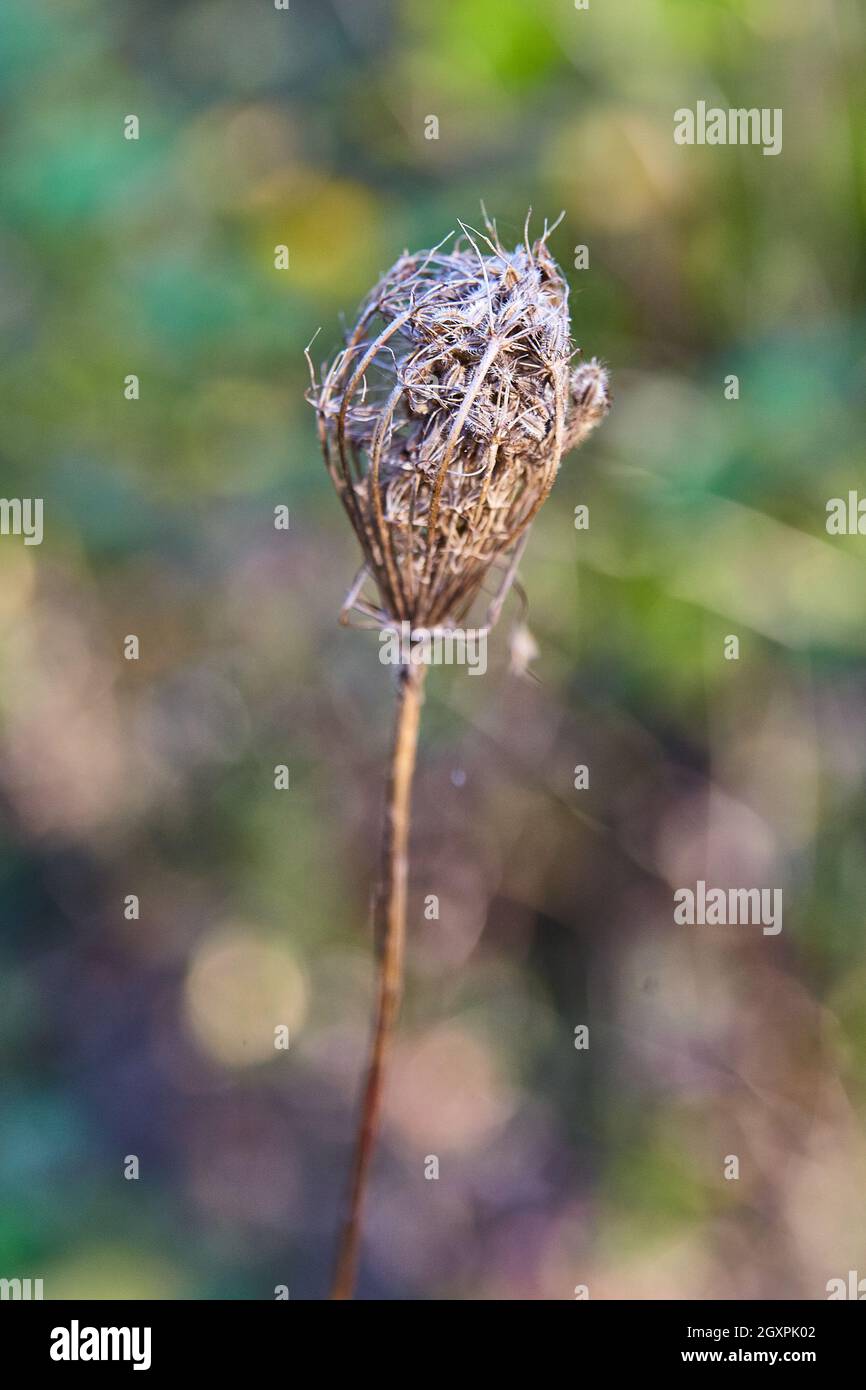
(154,1037)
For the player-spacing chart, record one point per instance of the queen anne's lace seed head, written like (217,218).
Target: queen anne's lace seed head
(444,418)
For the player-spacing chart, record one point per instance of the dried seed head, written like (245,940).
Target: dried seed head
(444,418)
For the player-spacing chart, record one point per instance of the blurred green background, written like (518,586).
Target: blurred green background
(154,1037)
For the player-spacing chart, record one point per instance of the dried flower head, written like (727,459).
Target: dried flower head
(444,418)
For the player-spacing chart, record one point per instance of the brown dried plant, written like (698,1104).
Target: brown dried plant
(443,422)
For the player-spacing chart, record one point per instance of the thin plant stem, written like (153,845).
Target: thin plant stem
(390,924)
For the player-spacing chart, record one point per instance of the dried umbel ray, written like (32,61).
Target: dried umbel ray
(444,419)
(443,422)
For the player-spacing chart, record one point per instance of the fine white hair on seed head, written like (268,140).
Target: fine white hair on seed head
(444,418)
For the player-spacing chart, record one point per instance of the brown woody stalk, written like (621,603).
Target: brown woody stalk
(442,422)
(391,945)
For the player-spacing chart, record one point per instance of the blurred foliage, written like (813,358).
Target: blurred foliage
(152,1037)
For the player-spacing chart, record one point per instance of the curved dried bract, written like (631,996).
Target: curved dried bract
(444,418)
